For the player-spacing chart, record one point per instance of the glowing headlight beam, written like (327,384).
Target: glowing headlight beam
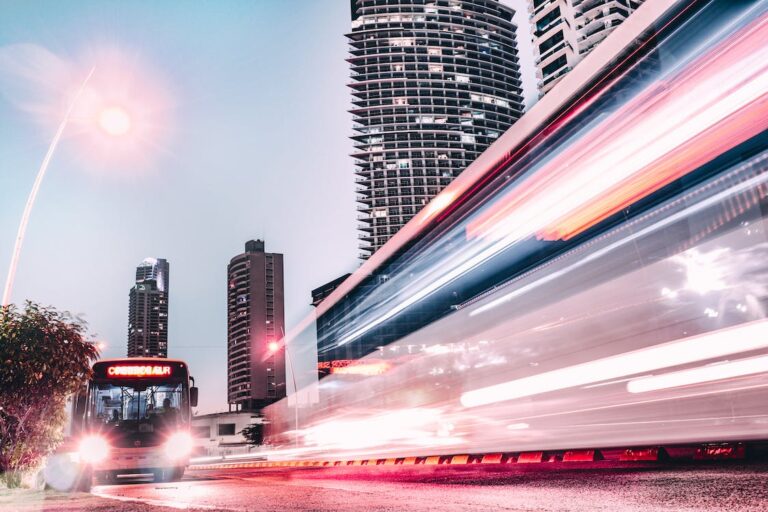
(33,193)
(725,342)
(93,449)
(700,375)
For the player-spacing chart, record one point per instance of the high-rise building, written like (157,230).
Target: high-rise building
(255,324)
(434,83)
(565,31)
(148,310)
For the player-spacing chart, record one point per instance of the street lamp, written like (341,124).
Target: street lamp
(114,121)
(295,389)
(117,111)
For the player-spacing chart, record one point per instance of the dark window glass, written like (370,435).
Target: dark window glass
(226,429)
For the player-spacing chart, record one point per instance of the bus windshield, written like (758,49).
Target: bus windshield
(137,407)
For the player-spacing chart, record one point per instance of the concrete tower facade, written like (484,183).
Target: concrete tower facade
(434,83)
(148,310)
(565,31)
(255,324)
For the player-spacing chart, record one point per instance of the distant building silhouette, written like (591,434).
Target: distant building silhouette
(255,324)
(148,310)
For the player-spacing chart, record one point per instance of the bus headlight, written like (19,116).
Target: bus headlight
(93,449)
(179,445)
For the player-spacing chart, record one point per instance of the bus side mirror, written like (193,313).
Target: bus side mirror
(193,396)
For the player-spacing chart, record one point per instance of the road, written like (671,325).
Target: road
(735,487)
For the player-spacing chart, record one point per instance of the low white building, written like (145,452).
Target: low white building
(219,434)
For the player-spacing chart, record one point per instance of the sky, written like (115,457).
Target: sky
(248,103)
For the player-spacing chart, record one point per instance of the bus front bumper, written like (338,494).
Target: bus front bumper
(128,460)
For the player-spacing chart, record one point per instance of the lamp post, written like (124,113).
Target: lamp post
(295,389)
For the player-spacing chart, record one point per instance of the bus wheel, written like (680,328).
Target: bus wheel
(178,473)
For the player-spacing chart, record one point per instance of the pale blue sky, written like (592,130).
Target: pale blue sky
(258,149)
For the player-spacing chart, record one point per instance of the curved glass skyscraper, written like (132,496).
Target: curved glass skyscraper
(434,83)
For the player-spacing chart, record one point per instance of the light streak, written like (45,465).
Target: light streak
(661,135)
(437,205)
(702,273)
(725,342)
(701,375)
(33,193)
(593,300)
(362,369)
(669,420)
(427,290)
(642,402)
(414,426)
(637,235)
(619,161)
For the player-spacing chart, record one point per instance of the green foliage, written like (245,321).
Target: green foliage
(254,433)
(44,357)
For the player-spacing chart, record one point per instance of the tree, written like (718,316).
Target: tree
(254,433)
(44,358)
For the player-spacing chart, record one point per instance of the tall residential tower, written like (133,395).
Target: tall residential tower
(255,324)
(565,31)
(434,83)
(148,310)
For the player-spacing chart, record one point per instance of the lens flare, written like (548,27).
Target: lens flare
(114,121)
(179,445)
(93,449)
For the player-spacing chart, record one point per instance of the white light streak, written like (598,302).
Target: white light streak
(700,375)
(733,340)
(33,193)
(667,221)
(433,286)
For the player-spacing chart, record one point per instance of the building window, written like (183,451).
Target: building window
(551,42)
(554,65)
(401,41)
(226,429)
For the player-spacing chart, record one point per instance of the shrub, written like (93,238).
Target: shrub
(254,434)
(44,357)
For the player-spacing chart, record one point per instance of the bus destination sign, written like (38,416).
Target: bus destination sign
(133,370)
